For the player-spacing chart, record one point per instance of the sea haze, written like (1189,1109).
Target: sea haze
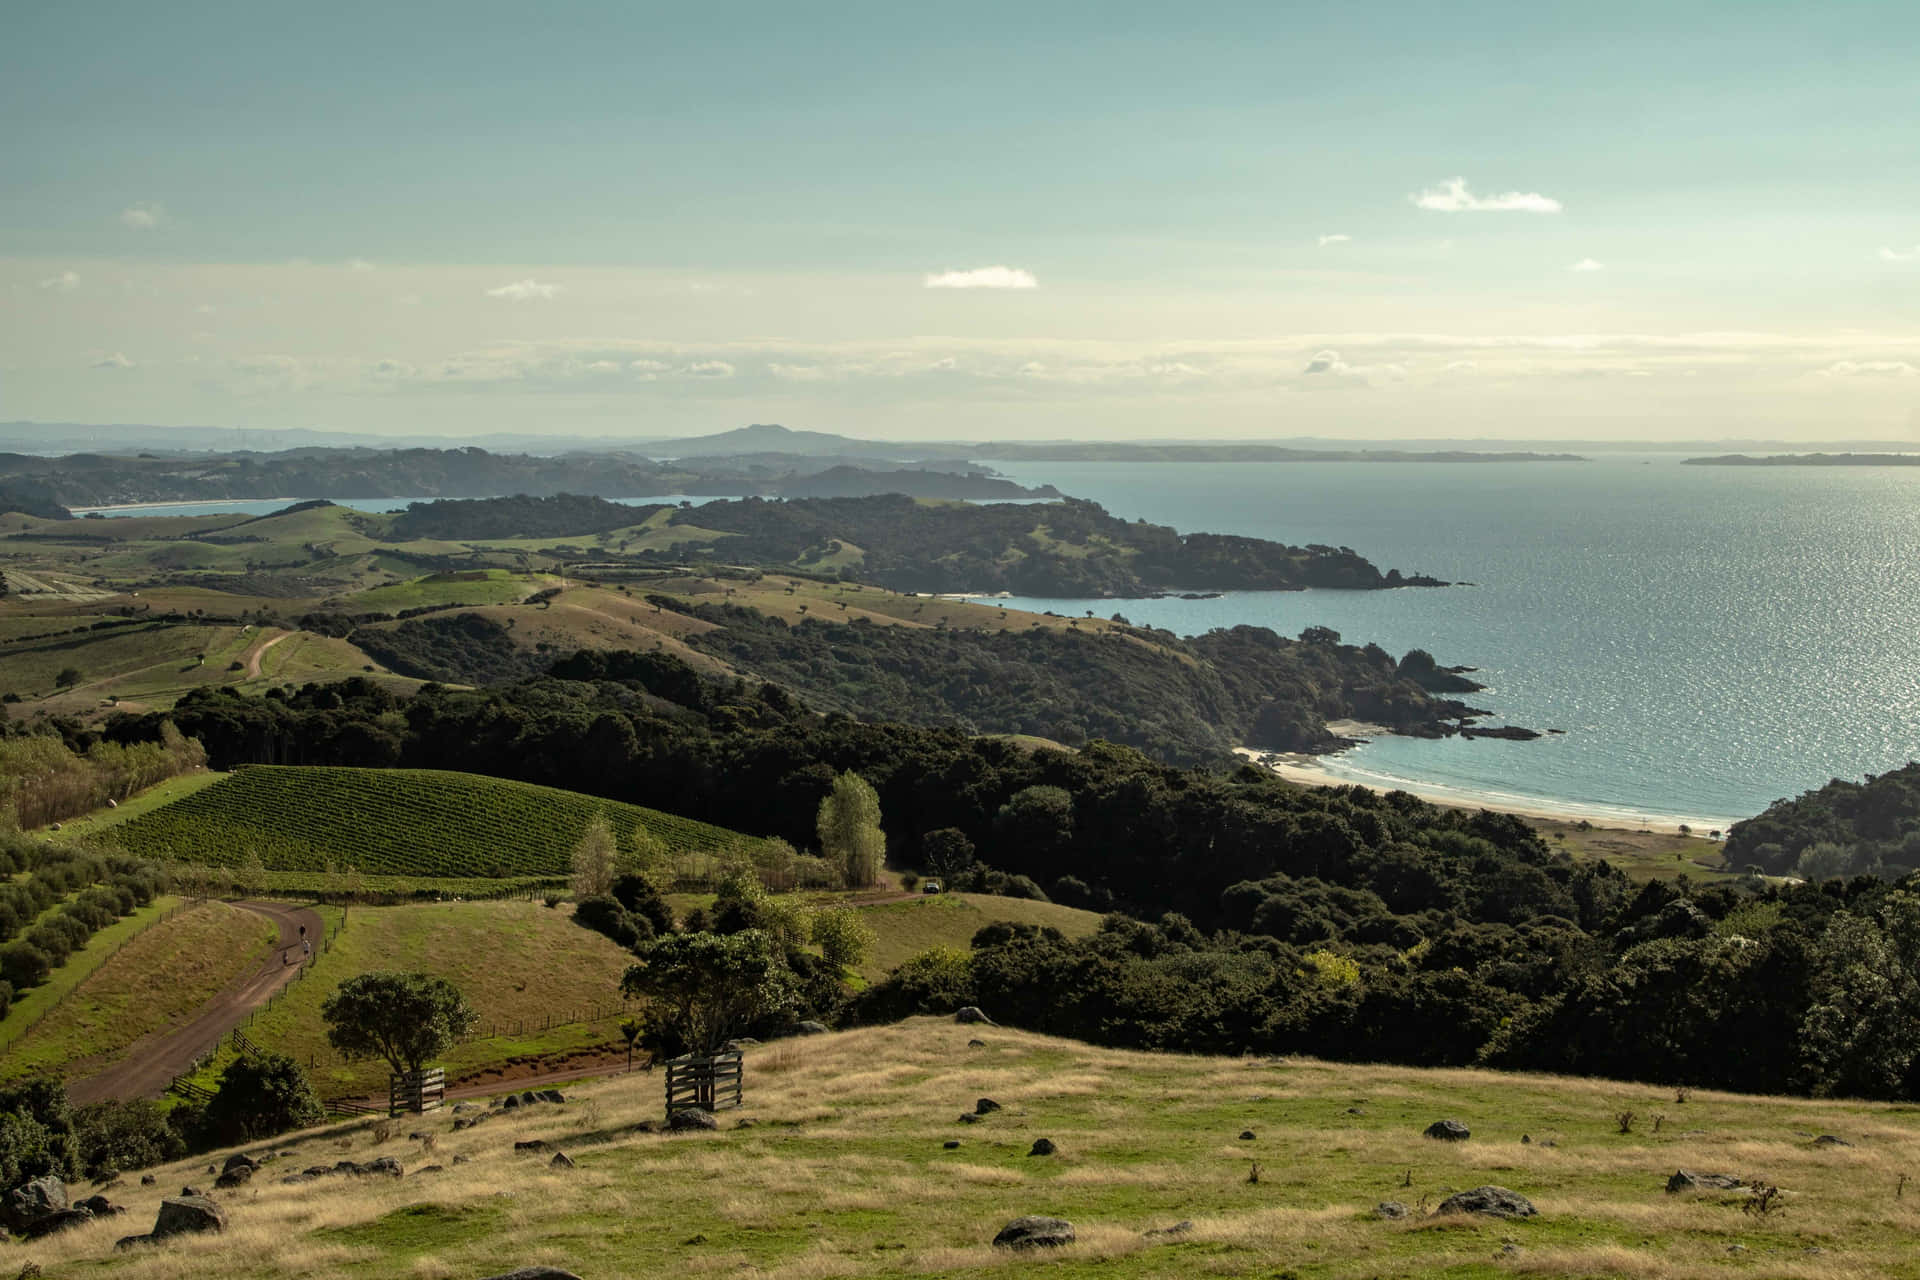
(1710,639)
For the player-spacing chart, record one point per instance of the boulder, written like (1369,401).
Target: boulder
(533,1144)
(528,1098)
(1391,1209)
(552,1095)
(461,1108)
(1043,1147)
(237,1176)
(386,1165)
(976,1044)
(560,1161)
(240,1160)
(101,1207)
(1687,1180)
(951,1144)
(190,1190)
(461,1159)
(1496,1202)
(181,1215)
(1448,1131)
(58,1220)
(1034,1233)
(535,1273)
(31,1201)
(147,1180)
(1828,1140)
(1246,1135)
(511,1100)
(971,1014)
(690,1118)
(985,1106)
(968,1117)
(812,1028)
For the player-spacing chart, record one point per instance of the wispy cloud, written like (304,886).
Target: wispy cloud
(1335,238)
(711,369)
(1587,264)
(983,278)
(1870,369)
(359,264)
(114,361)
(1900,255)
(144,216)
(65,282)
(1452,196)
(524,291)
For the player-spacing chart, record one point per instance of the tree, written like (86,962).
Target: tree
(630,1031)
(406,1018)
(1861,1034)
(260,1096)
(645,854)
(946,852)
(706,988)
(842,935)
(68,677)
(849,828)
(593,859)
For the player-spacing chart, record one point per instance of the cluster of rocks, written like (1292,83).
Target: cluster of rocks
(41,1207)
(382,1166)
(528,1098)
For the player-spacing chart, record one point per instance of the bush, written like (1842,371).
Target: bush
(842,935)
(118,1136)
(641,897)
(24,965)
(939,980)
(603,914)
(6,998)
(259,1097)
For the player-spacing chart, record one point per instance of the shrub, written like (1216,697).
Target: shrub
(259,1097)
(604,915)
(843,935)
(24,965)
(117,1136)
(641,897)
(939,980)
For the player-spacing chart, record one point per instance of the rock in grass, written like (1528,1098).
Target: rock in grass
(972,1014)
(1448,1131)
(1246,1135)
(1496,1202)
(691,1118)
(1828,1140)
(183,1215)
(1034,1233)
(1687,1180)
(1179,1228)
(1391,1209)
(951,1144)
(1043,1147)
(560,1161)
(535,1273)
(984,1106)
(31,1201)
(811,1028)
(533,1144)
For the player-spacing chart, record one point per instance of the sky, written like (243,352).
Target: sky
(979,221)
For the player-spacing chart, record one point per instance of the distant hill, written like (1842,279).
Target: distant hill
(767,437)
(1809,460)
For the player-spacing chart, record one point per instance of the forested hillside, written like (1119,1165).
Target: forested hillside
(1841,829)
(1256,915)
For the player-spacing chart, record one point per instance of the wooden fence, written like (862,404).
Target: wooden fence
(417,1092)
(706,1083)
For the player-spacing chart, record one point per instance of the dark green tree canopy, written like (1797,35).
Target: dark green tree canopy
(705,988)
(408,1019)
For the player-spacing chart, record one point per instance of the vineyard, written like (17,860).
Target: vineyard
(421,823)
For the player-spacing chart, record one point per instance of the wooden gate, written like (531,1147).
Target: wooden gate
(416,1091)
(707,1083)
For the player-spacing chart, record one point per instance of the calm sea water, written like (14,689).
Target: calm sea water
(1710,638)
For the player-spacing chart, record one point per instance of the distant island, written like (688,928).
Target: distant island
(1808,460)
(1105,451)
(41,484)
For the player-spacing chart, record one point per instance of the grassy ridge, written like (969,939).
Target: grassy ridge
(400,822)
(846,1173)
(904,929)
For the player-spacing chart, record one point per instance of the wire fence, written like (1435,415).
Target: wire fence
(15,1034)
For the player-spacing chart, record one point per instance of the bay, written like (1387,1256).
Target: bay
(1709,638)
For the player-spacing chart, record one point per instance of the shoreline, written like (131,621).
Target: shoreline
(1306,770)
(179,502)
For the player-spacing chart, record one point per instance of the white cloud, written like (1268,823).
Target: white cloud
(143,216)
(603,366)
(983,278)
(1587,264)
(65,282)
(1327,362)
(710,369)
(1335,238)
(114,361)
(1900,255)
(1032,369)
(798,372)
(648,370)
(1452,196)
(1870,369)
(945,363)
(524,291)
(359,264)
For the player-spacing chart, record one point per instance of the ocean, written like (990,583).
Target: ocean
(1710,639)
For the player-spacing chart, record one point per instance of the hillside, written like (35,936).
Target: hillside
(856,1166)
(395,822)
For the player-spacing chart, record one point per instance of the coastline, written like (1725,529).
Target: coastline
(1306,770)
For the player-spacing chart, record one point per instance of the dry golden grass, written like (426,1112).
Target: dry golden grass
(843,1172)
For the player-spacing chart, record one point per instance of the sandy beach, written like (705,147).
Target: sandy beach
(1311,771)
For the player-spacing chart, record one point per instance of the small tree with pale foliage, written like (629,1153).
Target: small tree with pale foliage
(645,855)
(843,935)
(849,827)
(593,859)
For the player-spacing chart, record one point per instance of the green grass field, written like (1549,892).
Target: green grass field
(398,822)
(856,1166)
(520,964)
(159,978)
(481,586)
(30,1005)
(904,929)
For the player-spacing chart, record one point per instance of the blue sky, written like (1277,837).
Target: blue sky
(1500,219)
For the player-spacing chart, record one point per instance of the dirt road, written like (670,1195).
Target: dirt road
(152,1063)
